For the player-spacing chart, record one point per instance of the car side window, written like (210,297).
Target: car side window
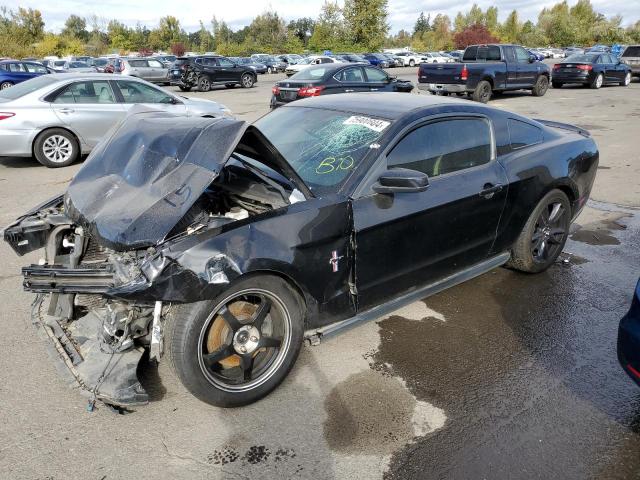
(16,67)
(35,68)
(353,74)
(509,54)
(612,59)
(523,134)
(444,146)
(375,75)
(155,64)
(86,92)
(137,92)
(223,62)
(600,60)
(138,63)
(522,55)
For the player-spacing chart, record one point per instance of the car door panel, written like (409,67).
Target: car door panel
(405,240)
(349,80)
(88,108)
(131,93)
(526,71)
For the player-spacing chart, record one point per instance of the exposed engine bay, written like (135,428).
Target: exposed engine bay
(100,337)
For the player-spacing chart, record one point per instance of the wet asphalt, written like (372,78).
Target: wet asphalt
(506,376)
(525,367)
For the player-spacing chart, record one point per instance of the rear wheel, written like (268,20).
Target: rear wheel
(247,80)
(4,85)
(541,86)
(482,93)
(235,349)
(544,235)
(269,70)
(412,63)
(204,84)
(597,82)
(56,148)
(627,80)
(557,84)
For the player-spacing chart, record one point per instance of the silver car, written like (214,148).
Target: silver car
(57,117)
(148,69)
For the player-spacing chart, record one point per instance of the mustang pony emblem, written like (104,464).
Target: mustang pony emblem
(334,260)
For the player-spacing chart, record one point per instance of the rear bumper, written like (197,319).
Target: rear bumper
(16,143)
(571,77)
(443,87)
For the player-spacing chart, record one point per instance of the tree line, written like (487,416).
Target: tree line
(361,25)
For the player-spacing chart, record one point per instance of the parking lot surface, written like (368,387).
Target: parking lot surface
(505,376)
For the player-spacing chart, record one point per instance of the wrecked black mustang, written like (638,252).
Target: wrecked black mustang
(223,246)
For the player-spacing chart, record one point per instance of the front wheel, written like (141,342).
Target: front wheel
(247,80)
(482,93)
(56,148)
(627,80)
(269,70)
(597,82)
(5,85)
(541,86)
(544,235)
(236,349)
(412,63)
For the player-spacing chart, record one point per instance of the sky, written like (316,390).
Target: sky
(402,13)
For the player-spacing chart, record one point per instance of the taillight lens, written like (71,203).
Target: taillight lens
(5,115)
(310,91)
(464,75)
(275,90)
(556,66)
(585,67)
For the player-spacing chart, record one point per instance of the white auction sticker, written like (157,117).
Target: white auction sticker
(371,123)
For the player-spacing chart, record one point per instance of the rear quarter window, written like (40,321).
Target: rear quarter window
(523,134)
(632,51)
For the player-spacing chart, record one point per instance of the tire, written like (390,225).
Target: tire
(482,93)
(540,243)
(597,82)
(269,70)
(541,86)
(184,89)
(56,148)
(412,63)
(4,85)
(557,84)
(204,84)
(193,332)
(247,80)
(626,81)
(230,85)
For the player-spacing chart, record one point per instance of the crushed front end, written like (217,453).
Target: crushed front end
(100,340)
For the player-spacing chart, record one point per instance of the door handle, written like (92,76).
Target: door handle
(348,90)
(66,110)
(489,190)
(374,89)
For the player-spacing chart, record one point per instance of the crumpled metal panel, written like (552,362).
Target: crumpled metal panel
(138,183)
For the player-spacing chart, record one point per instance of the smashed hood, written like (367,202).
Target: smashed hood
(140,181)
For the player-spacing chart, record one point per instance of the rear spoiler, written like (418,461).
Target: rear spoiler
(564,126)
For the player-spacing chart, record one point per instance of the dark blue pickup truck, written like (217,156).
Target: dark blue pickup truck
(485,69)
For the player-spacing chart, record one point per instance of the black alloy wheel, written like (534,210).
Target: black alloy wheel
(541,86)
(482,93)
(247,80)
(544,234)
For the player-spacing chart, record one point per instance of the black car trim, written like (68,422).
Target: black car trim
(315,336)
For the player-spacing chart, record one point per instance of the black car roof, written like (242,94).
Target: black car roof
(389,105)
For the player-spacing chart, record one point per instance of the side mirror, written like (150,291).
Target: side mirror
(400,180)
(532,59)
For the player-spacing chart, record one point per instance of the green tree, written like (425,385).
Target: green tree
(329,32)
(269,31)
(491,20)
(475,15)
(302,28)
(460,23)
(366,22)
(422,24)
(75,27)
(511,28)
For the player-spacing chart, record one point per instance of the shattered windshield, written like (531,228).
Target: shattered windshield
(322,146)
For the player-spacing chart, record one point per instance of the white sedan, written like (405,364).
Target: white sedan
(312,60)
(58,117)
(435,57)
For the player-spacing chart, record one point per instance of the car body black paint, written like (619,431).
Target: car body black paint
(332,82)
(629,338)
(385,244)
(573,69)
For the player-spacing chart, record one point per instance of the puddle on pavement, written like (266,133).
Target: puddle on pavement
(375,414)
(600,233)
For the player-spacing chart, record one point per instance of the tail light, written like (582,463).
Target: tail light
(556,66)
(275,90)
(464,74)
(309,91)
(585,67)
(5,115)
